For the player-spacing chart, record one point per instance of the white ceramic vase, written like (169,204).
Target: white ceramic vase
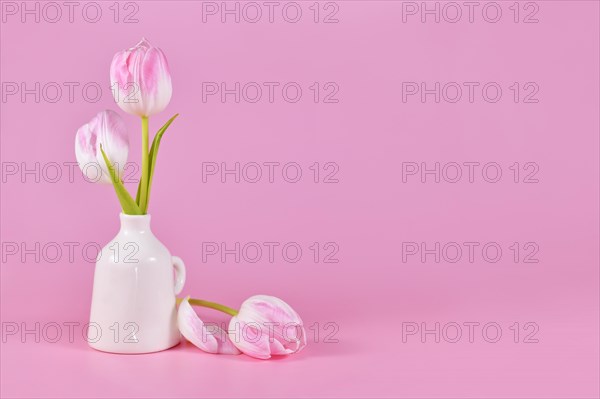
(135,284)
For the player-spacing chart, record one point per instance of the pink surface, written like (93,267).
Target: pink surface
(373,133)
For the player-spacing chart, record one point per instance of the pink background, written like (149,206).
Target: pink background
(369,133)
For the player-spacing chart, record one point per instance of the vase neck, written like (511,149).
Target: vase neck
(139,223)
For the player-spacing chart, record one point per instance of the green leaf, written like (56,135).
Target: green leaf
(127,203)
(139,190)
(153,154)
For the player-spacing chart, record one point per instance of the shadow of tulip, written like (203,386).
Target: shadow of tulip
(312,350)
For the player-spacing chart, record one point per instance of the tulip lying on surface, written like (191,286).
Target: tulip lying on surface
(194,330)
(264,326)
(141,80)
(106,129)
(268,326)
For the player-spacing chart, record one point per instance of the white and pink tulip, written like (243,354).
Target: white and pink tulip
(140,80)
(264,326)
(108,130)
(268,326)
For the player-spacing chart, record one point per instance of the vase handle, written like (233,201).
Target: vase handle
(179,274)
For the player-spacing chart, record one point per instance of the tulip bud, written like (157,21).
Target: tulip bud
(140,80)
(267,326)
(106,129)
(213,340)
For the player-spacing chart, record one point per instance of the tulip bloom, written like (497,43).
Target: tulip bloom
(195,331)
(267,326)
(140,80)
(108,130)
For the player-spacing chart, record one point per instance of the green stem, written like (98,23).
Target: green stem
(212,305)
(145,163)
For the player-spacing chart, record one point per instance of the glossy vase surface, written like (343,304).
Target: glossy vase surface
(136,281)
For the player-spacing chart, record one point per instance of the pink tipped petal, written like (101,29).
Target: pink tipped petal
(227,347)
(85,152)
(141,80)
(209,338)
(143,43)
(192,328)
(272,309)
(250,340)
(277,348)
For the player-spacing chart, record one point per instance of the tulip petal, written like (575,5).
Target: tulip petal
(250,340)
(210,339)
(85,152)
(277,348)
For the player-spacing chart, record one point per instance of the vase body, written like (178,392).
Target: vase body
(135,283)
